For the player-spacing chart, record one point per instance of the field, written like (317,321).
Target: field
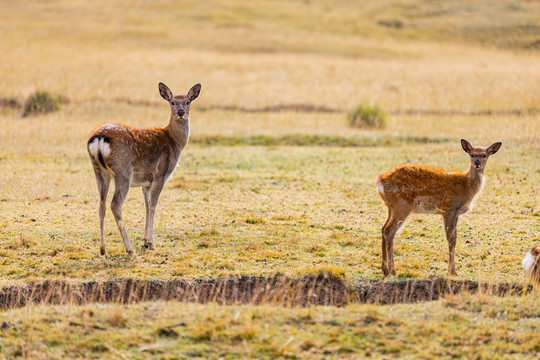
(274,181)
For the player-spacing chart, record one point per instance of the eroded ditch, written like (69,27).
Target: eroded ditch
(310,290)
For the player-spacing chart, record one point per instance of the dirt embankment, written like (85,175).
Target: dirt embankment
(310,290)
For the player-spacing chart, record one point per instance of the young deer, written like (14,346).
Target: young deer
(139,157)
(419,189)
(531,265)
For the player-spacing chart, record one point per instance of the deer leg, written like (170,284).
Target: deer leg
(121,189)
(389,231)
(450,227)
(103,181)
(146,193)
(385,268)
(153,196)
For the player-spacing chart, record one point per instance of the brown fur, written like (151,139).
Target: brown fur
(410,189)
(139,158)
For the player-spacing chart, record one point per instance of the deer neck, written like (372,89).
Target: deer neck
(476,179)
(178,131)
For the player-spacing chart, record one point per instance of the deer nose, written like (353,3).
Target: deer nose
(477,162)
(181,112)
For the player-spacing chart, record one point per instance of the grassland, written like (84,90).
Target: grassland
(261,192)
(457,327)
(253,205)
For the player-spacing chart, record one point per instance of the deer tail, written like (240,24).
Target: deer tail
(99,149)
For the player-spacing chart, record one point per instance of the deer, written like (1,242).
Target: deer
(139,158)
(408,189)
(531,265)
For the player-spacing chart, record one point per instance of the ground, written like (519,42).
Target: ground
(274,181)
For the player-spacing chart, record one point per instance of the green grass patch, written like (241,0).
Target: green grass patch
(315,140)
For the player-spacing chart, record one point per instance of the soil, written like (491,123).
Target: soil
(310,290)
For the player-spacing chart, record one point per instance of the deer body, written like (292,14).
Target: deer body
(427,190)
(139,158)
(410,189)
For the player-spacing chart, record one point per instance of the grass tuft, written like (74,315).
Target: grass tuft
(116,317)
(367,117)
(324,271)
(42,102)
(255,220)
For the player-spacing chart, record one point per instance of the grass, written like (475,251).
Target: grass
(367,117)
(489,327)
(41,103)
(274,180)
(306,64)
(253,205)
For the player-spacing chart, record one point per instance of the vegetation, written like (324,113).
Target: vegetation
(274,180)
(41,103)
(250,209)
(455,327)
(367,117)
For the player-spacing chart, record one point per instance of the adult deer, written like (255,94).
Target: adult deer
(419,189)
(139,158)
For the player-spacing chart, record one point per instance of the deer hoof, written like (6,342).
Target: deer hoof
(149,245)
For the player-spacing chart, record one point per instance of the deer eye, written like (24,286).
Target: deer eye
(472,156)
(187,103)
(173,103)
(484,156)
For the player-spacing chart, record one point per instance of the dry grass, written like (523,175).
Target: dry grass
(454,327)
(441,72)
(122,51)
(262,209)
(307,206)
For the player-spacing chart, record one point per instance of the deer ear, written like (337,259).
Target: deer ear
(467,147)
(194,92)
(494,148)
(165,92)
(536,251)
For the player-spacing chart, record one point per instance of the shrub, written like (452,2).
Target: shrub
(367,117)
(41,102)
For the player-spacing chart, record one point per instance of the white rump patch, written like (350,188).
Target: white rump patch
(99,145)
(528,262)
(93,147)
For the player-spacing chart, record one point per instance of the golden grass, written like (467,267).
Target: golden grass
(265,209)
(252,55)
(442,71)
(122,51)
(455,327)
